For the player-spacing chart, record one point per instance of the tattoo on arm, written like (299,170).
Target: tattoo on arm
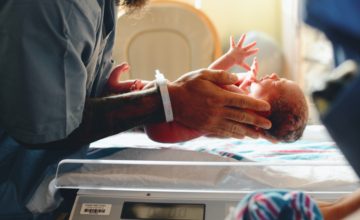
(106,116)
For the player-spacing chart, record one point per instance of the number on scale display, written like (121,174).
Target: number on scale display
(165,211)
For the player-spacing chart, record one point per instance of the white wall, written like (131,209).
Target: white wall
(239,16)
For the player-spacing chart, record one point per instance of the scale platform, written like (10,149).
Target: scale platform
(185,190)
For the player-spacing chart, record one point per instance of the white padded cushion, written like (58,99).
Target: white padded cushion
(170,36)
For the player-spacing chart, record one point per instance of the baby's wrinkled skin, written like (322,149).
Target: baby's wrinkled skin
(289,111)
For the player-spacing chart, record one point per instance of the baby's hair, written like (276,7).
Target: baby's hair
(288,119)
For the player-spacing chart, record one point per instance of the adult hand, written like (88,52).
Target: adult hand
(199,102)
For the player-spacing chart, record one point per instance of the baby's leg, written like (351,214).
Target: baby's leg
(117,86)
(171,132)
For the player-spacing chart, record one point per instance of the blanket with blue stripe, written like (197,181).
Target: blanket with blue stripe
(276,204)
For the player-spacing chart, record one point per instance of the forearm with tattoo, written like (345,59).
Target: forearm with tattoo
(106,116)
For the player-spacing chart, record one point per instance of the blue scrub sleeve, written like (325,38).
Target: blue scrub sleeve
(44,50)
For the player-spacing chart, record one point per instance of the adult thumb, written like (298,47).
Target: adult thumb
(220,77)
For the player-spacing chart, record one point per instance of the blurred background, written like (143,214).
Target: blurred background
(287,45)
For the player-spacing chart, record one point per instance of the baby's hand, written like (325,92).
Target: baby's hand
(117,86)
(251,76)
(240,53)
(254,68)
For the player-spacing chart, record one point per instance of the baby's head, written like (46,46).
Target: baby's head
(289,111)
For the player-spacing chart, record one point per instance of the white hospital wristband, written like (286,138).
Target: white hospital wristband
(164,92)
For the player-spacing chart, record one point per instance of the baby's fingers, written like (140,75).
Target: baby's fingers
(245,66)
(255,66)
(252,52)
(241,40)
(249,46)
(232,42)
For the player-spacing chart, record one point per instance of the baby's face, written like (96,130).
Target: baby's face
(288,112)
(271,86)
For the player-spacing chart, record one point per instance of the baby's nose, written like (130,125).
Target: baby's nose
(274,76)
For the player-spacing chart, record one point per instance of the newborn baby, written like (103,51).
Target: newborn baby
(288,113)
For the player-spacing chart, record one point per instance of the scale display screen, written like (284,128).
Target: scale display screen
(163,211)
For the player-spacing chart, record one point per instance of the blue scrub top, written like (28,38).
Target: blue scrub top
(53,54)
(340,20)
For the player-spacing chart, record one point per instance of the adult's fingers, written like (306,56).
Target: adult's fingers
(219,77)
(247,117)
(268,137)
(245,102)
(234,88)
(232,129)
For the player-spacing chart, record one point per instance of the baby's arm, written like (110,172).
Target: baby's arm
(236,55)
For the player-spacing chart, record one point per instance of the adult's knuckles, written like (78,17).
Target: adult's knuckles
(246,101)
(234,129)
(241,117)
(212,101)
(212,119)
(237,101)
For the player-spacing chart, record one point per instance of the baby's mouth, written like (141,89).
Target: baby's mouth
(264,77)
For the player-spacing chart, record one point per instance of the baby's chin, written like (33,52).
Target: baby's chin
(258,92)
